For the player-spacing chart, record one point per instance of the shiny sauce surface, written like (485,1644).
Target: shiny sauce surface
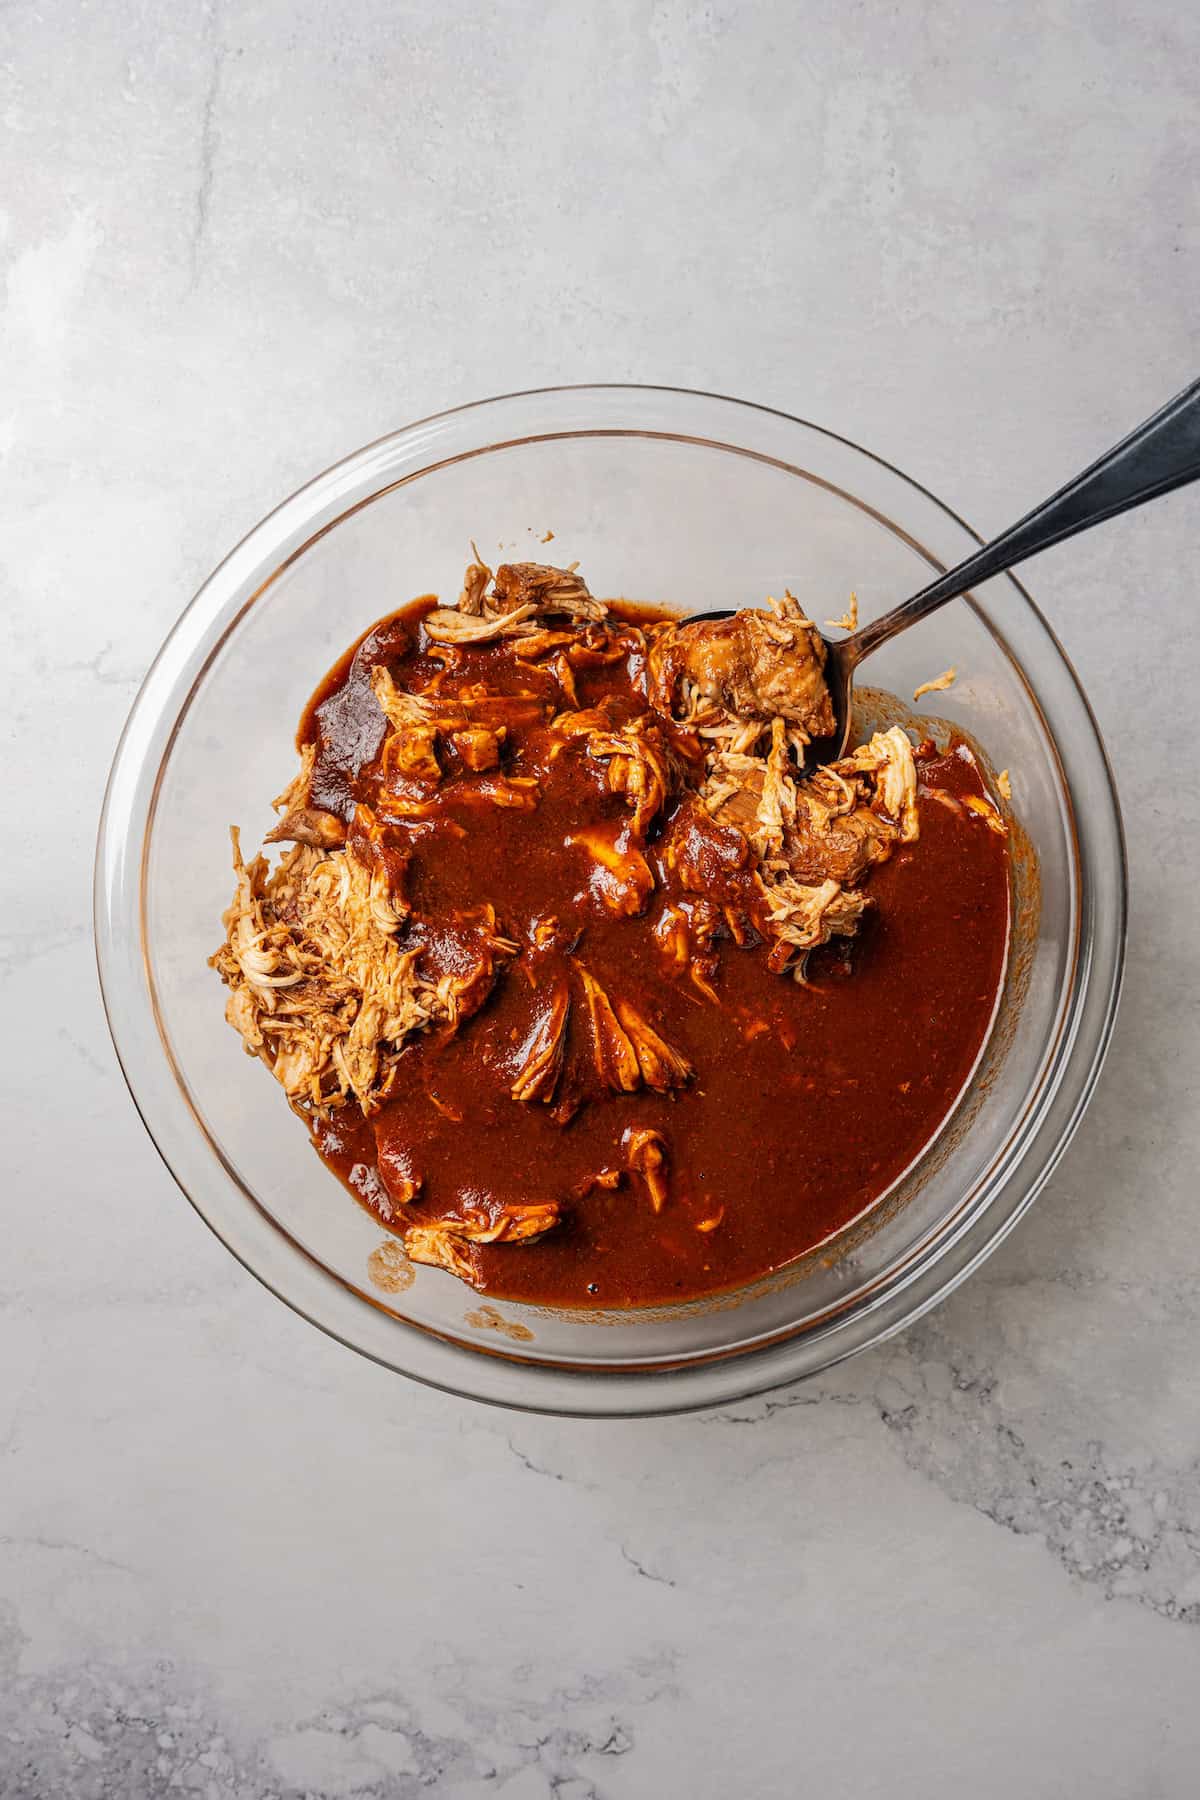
(810,1098)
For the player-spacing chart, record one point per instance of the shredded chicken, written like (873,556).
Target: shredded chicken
(621,875)
(407,712)
(297,793)
(848,620)
(661,1066)
(554,593)
(478,746)
(983,809)
(887,761)
(755,666)
(816,839)
(309,825)
(615,1057)
(626,1049)
(686,934)
(442,1248)
(320,988)
(938,685)
(446,1243)
(475,580)
(803,917)
(473,725)
(523,594)
(542,1052)
(333,970)
(303,823)
(640,768)
(506,1222)
(646,1154)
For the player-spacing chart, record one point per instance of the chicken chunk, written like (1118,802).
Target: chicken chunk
(478,746)
(887,759)
(755,666)
(621,877)
(446,1243)
(550,592)
(302,822)
(439,1247)
(541,1055)
(309,825)
(615,1057)
(522,595)
(817,839)
(640,768)
(507,1221)
(803,917)
(661,1066)
(626,1049)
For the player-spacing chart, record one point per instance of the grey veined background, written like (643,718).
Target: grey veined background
(236,241)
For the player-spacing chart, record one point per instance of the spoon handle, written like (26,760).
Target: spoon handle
(1162,454)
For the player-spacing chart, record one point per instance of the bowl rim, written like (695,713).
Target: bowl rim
(926,1275)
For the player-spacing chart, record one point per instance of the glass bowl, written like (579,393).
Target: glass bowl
(662,495)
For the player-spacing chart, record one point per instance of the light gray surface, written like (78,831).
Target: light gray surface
(234,1559)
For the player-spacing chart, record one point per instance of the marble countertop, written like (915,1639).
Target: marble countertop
(239,239)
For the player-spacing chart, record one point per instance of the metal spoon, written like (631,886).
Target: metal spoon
(1162,454)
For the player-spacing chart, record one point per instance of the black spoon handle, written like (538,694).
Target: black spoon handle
(1162,454)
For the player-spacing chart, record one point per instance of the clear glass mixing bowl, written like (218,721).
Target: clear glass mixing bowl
(662,495)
